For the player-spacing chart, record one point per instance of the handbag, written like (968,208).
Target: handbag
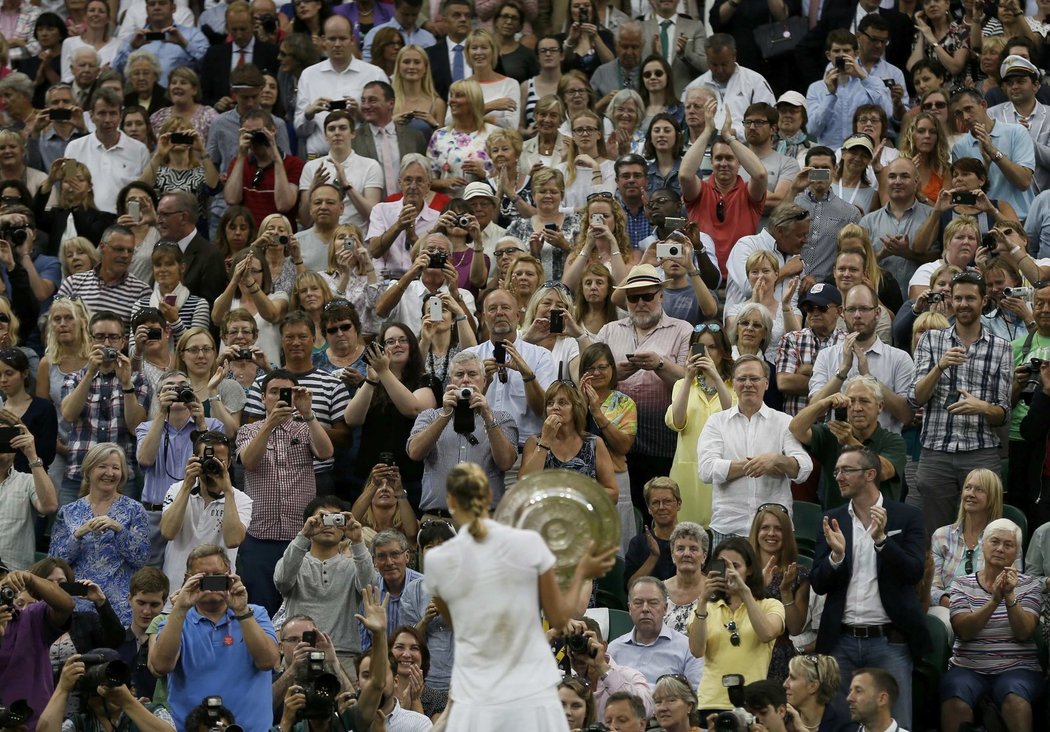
(781,36)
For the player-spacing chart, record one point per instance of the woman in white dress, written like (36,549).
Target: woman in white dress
(490,582)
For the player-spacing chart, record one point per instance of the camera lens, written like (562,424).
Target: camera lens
(466,393)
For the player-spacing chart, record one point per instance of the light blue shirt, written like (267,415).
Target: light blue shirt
(831,115)
(393,608)
(1014,142)
(169,466)
(1037,226)
(668,654)
(413,37)
(510,396)
(170,55)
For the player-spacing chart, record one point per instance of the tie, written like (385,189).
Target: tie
(457,62)
(389,152)
(814,13)
(243,59)
(665,41)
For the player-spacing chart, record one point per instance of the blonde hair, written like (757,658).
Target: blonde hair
(96,455)
(13,322)
(856,232)
(475,99)
(993,486)
(619,228)
(180,347)
(762,254)
(334,249)
(54,351)
(510,136)
(82,170)
(486,36)
(561,294)
(940,158)
(304,278)
(526,258)
(426,84)
(77,244)
(469,485)
(178,124)
(925,322)
(958,224)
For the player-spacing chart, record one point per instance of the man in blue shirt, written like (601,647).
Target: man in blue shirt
(179,45)
(406,13)
(390,553)
(31,277)
(214,640)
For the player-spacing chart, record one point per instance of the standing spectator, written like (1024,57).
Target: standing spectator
(797,352)
(22,496)
(195,666)
(224,55)
(180,166)
(104,535)
(50,137)
(205,273)
(760,124)
(869,558)
(261,177)
(962,377)
(113,158)
(182,45)
(380,139)
(828,214)
(1021,81)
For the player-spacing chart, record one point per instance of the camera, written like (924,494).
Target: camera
(437,260)
(585,15)
(333,519)
(463,221)
(154,334)
(738,719)
(820,175)
(580,645)
(283,240)
(215,583)
(840,63)
(181,138)
(101,669)
(210,464)
(989,240)
(109,354)
(666,249)
(185,394)
(15,235)
(243,354)
(935,297)
(557,321)
(462,414)
(336,104)
(1022,292)
(60,115)
(320,688)
(7,596)
(260,138)
(596,727)
(15,715)
(310,637)
(1033,365)
(268,23)
(387,458)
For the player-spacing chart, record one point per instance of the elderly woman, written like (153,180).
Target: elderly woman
(283,259)
(545,83)
(674,703)
(577,96)
(417,104)
(137,210)
(77,255)
(511,183)
(564,442)
(735,629)
(751,335)
(104,535)
(549,231)
(547,147)
(184,90)
(13,162)
(607,243)
(587,168)
(181,309)
(344,344)
(74,203)
(626,111)
(144,90)
(706,388)
(457,152)
(957,547)
(813,682)
(553,301)
(244,361)
(763,273)
(996,607)
(772,538)
(689,547)
(523,278)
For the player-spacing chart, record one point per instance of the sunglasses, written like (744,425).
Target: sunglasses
(810,307)
(339,328)
(677,677)
(648,297)
(773,506)
(707,328)
(432,522)
(599,194)
(969,561)
(337,302)
(972,278)
(720,210)
(815,660)
(934,105)
(654,74)
(734,637)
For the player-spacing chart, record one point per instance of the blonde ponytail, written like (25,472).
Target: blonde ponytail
(469,485)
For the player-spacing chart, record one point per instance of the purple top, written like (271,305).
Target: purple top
(25,666)
(462,261)
(351,11)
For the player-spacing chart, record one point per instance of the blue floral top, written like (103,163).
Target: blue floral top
(108,558)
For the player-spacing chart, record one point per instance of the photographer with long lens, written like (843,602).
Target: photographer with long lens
(26,635)
(451,434)
(317,579)
(194,509)
(101,679)
(165,443)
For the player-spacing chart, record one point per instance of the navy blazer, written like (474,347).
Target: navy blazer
(440,69)
(900,567)
(205,269)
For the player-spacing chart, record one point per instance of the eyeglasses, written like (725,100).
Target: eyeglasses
(846,471)
(507,252)
(858,309)
(166,214)
(391,556)
(575,92)
(647,296)
(654,74)
(395,342)
(756,122)
(934,105)
(509,16)
(550,50)
(332,330)
(756,324)
(10,200)
(95,337)
(809,307)
(875,39)
(584,130)
(720,210)
(969,561)
(734,637)
(597,195)
(773,506)
(598,367)
(653,202)
(198,350)
(707,328)
(869,119)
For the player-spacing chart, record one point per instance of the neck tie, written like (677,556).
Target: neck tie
(814,13)
(243,59)
(665,40)
(389,152)
(457,62)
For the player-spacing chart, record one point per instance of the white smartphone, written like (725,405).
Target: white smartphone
(435,309)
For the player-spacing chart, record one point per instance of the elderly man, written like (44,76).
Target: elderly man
(737,87)
(869,558)
(182,45)
(50,137)
(485,203)
(748,455)
(205,272)
(649,553)
(822,305)
(86,66)
(625,712)
(23,497)
(16,92)
(441,439)
(649,347)
(109,286)
(860,404)
(652,646)
(623,71)
(395,226)
(828,213)
(390,554)
(603,676)
(785,235)
(996,607)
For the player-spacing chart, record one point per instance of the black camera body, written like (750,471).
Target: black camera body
(463,221)
(596,727)
(320,688)
(100,670)
(243,354)
(462,414)
(840,63)
(935,297)
(211,465)
(15,235)
(738,719)
(7,597)
(557,321)
(16,714)
(437,260)
(580,645)
(109,354)
(185,394)
(268,23)
(260,139)
(1033,365)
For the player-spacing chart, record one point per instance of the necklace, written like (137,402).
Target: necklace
(431,367)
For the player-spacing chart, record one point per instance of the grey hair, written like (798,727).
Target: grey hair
(170,375)
(649,580)
(18,82)
(415,159)
(692,530)
(388,536)
(115,229)
(630,26)
(185,200)
(1006,526)
(88,51)
(464,356)
(785,214)
(143,55)
(511,240)
(868,382)
(702,91)
(439,236)
(61,86)
(622,97)
(758,310)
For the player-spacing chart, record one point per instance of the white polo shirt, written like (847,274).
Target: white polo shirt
(360,172)
(112,168)
(321,80)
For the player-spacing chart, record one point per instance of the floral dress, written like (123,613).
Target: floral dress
(449,149)
(108,558)
(553,259)
(677,616)
(958,36)
(201,120)
(784,650)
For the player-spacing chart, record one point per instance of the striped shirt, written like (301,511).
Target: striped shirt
(797,349)
(330,398)
(995,649)
(986,374)
(194,313)
(828,217)
(97,295)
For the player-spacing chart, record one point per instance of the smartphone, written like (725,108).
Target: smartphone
(154,36)
(285,395)
(554,227)
(597,220)
(840,63)
(499,353)
(336,104)
(154,334)
(367,357)
(74,589)
(60,115)
(181,138)
(888,83)
(698,349)
(585,15)
(820,175)
(674,223)
(387,458)
(557,321)
(310,637)
(215,583)
(717,565)
(435,310)
(840,414)
(135,211)
(69,168)
(629,356)
(965,198)
(6,435)
(171,300)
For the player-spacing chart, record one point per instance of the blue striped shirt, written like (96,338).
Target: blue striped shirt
(995,649)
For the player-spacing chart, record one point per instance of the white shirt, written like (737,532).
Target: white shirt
(672,36)
(202,524)
(135,18)
(891,366)
(510,396)
(184,242)
(729,435)
(396,261)
(322,80)
(360,172)
(249,54)
(863,603)
(409,308)
(738,287)
(744,88)
(405,720)
(111,169)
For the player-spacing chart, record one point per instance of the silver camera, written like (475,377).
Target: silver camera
(463,222)
(666,249)
(465,393)
(1022,292)
(333,519)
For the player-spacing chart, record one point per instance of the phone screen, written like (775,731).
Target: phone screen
(717,565)
(6,435)
(285,395)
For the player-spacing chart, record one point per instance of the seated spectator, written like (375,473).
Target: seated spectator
(689,545)
(653,647)
(766,700)
(738,627)
(649,553)
(143,225)
(607,243)
(104,535)
(394,227)
(143,73)
(625,712)
(961,239)
(958,547)
(45,70)
(24,492)
(600,673)
(183,46)
(763,274)
(411,658)
(295,649)
(383,504)
(457,151)
(625,111)
(812,687)
(674,703)
(587,168)
(548,147)
(873,695)
(578,702)
(994,607)
(350,272)
(310,294)
(73,202)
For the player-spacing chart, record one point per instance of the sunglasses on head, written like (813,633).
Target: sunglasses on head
(707,328)
(600,195)
(559,286)
(774,506)
(337,302)
(647,296)
(971,278)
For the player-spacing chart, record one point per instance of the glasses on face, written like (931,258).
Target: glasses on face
(811,307)
(391,556)
(869,120)
(756,324)
(585,130)
(927,106)
(734,637)
(509,251)
(601,368)
(549,50)
(846,470)
(508,16)
(395,341)
(646,296)
(166,214)
(707,328)
(333,329)
(95,337)
(968,555)
(654,202)
(720,210)
(756,122)
(574,92)
(198,350)
(10,200)
(876,39)
(653,74)
(858,309)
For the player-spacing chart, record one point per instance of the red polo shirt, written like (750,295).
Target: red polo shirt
(741,216)
(257,196)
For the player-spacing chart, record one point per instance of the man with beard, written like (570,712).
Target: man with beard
(963,376)
(649,347)
(862,352)
(1021,81)
(873,692)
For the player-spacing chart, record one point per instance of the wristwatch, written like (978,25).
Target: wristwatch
(998,155)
